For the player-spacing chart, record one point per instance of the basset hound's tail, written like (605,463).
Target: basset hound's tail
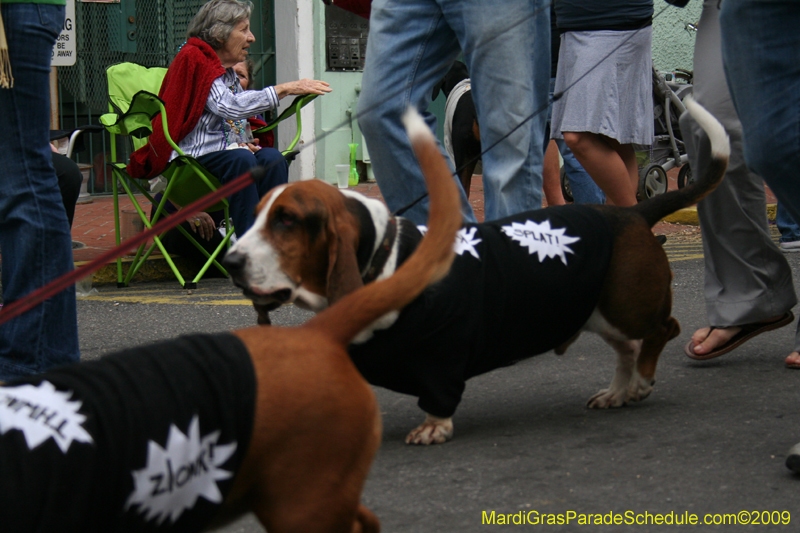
(429,263)
(655,208)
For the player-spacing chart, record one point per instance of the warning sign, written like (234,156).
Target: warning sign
(64,49)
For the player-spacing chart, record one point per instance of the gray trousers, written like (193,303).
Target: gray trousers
(747,278)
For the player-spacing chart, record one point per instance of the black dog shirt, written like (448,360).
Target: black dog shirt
(519,287)
(147,439)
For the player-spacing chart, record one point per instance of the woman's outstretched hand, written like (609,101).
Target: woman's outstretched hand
(304,86)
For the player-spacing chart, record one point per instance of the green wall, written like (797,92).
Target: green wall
(673,44)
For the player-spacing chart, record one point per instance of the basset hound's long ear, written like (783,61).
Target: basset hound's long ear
(343,274)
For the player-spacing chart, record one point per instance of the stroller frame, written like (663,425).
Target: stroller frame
(668,97)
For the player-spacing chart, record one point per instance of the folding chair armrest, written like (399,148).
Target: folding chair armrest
(297,104)
(56,135)
(108,120)
(137,120)
(294,108)
(73,139)
(74,135)
(165,127)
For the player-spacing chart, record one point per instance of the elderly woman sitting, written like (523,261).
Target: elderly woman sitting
(207,111)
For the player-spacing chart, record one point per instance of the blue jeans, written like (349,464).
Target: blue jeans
(789,229)
(759,48)
(35,239)
(227,165)
(412,44)
(584,189)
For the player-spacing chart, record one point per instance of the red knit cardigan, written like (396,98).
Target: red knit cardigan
(185,91)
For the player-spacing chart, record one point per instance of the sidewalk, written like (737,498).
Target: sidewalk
(93,229)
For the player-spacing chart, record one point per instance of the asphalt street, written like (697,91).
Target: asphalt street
(710,442)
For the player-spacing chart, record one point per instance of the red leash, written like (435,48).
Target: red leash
(23,305)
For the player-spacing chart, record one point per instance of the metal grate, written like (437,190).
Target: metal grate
(148,32)
(345,40)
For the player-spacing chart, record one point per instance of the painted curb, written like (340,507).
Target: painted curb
(688,216)
(154,269)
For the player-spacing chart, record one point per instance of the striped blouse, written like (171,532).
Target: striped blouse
(227,103)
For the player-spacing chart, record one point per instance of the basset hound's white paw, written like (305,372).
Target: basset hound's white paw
(434,430)
(606,398)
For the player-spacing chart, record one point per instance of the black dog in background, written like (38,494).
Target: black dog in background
(461,132)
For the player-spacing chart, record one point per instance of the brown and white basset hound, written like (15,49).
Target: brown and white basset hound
(518,287)
(190,433)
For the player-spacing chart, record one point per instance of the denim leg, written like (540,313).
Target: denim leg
(789,229)
(412,44)
(35,239)
(228,165)
(409,49)
(760,44)
(584,189)
(509,88)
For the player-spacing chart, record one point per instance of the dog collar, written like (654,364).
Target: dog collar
(381,255)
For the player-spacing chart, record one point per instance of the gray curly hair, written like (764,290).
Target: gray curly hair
(216,19)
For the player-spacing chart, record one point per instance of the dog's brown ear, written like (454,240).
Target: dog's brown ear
(343,274)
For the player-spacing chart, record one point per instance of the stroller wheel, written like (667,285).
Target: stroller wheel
(652,181)
(566,191)
(685,176)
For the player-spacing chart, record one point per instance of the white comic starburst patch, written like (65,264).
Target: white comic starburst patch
(465,241)
(41,412)
(542,239)
(177,475)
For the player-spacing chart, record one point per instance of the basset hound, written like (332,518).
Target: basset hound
(518,287)
(188,434)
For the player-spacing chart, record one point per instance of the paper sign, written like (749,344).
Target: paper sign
(64,49)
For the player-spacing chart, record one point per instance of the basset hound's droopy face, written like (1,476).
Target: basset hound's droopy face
(300,249)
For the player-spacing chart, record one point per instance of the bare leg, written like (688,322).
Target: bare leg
(628,155)
(551,174)
(600,156)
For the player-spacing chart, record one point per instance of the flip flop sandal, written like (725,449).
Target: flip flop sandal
(747,332)
(793,364)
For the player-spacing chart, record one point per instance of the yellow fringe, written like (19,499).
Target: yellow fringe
(6,79)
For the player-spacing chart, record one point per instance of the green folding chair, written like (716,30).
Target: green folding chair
(133,105)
